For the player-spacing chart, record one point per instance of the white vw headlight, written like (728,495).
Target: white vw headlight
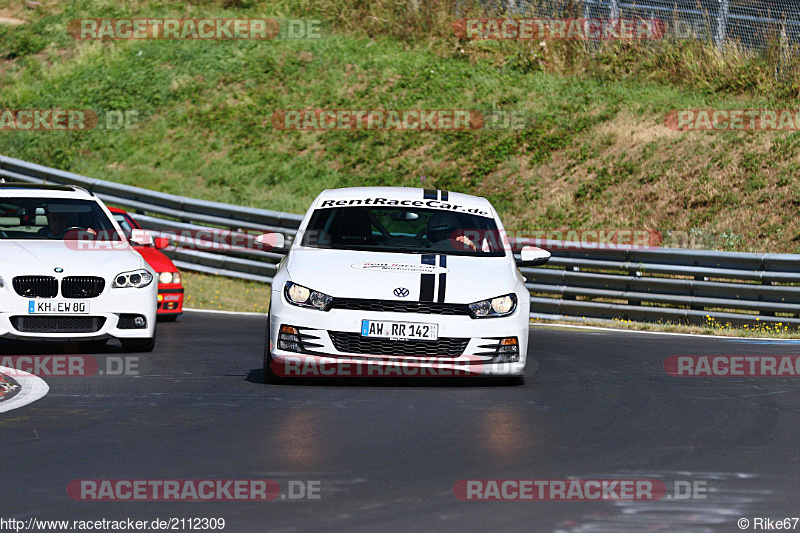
(138,279)
(502,305)
(494,307)
(305,297)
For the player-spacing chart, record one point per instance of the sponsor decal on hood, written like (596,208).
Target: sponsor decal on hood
(400,267)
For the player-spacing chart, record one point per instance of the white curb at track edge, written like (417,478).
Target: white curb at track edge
(32,388)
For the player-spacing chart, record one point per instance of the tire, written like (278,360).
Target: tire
(138,345)
(270,377)
(167,318)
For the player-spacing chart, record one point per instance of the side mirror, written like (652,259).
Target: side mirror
(141,237)
(270,240)
(160,243)
(533,256)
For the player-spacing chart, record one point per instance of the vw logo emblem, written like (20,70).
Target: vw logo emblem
(401,292)
(59,270)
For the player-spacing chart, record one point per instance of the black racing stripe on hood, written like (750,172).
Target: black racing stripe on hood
(445,195)
(427,281)
(429,194)
(442,278)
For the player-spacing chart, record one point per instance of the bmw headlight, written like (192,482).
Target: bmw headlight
(137,279)
(305,297)
(494,307)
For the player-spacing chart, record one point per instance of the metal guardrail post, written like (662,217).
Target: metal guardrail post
(722,23)
(613,10)
(698,307)
(634,301)
(785,57)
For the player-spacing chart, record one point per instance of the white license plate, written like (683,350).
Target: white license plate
(56,307)
(402,331)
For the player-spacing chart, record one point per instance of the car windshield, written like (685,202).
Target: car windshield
(399,229)
(54,219)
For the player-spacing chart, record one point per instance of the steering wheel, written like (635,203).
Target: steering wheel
(73,228)
(3,234)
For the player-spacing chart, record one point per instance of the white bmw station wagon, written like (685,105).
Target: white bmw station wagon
(392,281)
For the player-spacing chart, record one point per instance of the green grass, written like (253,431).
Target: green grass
(218,293)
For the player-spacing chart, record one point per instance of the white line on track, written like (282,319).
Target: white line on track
(245,313)
(601,328)
(32,388)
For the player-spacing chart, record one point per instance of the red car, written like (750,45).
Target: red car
(170,288)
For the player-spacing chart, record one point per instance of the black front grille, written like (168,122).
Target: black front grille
(355,343)
(392,306)
(58,324)
(82,287)
(36,286)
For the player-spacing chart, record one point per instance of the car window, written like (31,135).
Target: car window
(125,224)
(400,229)
(54,219)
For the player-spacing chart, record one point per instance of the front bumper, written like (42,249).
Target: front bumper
(108,316)
(170,299)
(469,348)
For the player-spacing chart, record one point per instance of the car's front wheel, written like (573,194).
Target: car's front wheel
(269,375)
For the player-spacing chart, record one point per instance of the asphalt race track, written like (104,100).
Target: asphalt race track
(600,405)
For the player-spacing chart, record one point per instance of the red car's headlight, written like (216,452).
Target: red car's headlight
(169,277)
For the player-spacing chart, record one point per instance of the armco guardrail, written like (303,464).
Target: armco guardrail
(169,215)
(168,205)
(668,285)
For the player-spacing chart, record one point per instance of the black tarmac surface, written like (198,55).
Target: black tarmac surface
(600,405)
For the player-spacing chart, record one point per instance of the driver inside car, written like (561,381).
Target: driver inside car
(440,230)
(59,223)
